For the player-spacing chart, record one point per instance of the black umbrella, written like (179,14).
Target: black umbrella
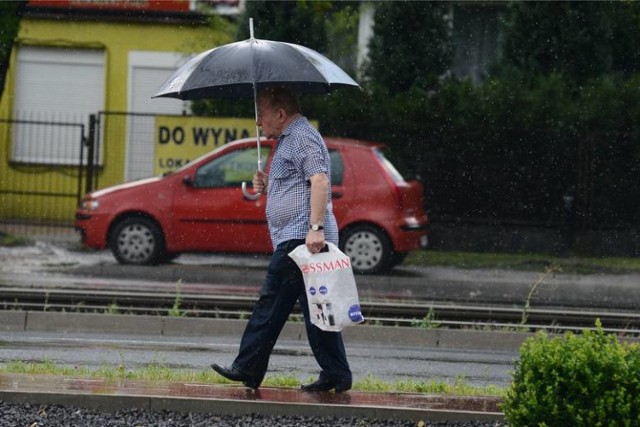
(239,69)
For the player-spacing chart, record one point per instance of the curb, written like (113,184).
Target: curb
(230,400)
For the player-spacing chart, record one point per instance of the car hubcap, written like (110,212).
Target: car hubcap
(136,243)
(364,249)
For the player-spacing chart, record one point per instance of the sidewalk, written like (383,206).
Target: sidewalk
(235,399)
(238,400)
(59,234)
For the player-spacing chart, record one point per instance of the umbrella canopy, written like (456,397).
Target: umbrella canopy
(232,70)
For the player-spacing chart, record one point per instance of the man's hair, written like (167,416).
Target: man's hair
(281,97)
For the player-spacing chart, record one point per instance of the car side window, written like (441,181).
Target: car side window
(337,167)
(230,169)
(389,167)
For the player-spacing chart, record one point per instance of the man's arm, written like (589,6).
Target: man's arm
(319,192)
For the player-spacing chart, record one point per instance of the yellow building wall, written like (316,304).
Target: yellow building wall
(20,183)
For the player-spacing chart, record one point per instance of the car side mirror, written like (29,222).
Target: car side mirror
(187,181)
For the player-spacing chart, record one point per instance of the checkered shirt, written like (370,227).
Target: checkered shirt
(300,154)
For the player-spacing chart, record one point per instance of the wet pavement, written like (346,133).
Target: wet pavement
(232,399)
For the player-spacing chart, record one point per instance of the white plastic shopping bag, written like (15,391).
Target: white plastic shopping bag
(330,286)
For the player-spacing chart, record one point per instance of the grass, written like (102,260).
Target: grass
(154,372)
(524,262)
(176,311)
(459,388)
(428,321)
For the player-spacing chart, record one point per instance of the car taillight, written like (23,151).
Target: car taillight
(411,222)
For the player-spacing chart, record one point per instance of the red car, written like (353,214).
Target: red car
(201,208)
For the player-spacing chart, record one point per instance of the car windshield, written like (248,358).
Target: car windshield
(190,163)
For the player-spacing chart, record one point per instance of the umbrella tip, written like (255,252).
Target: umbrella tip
(251,27)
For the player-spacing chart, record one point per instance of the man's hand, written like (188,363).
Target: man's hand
(315,241)
(260,181)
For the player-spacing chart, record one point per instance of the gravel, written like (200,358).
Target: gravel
(28,415)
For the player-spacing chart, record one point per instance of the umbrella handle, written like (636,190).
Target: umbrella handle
(248,195)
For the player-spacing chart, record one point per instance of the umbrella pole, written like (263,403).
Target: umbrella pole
(255,106)
(255,109)
(255,103)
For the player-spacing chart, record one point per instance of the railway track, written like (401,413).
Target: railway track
(396,312)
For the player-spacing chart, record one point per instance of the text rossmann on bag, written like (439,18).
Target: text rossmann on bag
(321,267)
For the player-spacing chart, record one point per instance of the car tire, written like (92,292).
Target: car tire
(368,247)
(137,240)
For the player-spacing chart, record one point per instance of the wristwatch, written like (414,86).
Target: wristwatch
(316,227)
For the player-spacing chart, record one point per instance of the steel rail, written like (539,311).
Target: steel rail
(401,312)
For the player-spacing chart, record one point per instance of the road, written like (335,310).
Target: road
(46,262)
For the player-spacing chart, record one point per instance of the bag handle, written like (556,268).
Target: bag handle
(328,247)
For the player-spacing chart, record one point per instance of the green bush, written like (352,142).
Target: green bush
(575,380)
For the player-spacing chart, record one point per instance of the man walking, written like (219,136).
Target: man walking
(299,211)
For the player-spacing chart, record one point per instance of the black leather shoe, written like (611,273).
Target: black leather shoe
(322,384)
(235,375)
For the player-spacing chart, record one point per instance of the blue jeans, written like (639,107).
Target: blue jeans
(282,287)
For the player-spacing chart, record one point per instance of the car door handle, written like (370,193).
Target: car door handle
(336,194)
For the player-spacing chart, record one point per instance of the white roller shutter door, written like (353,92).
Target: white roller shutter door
(55,85)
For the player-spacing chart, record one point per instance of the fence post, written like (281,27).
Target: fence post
(91,143)
(83,142)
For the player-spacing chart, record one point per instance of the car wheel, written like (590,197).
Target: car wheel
(137,240)
(368,247)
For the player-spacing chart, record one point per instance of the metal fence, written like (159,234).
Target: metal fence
(43,169)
